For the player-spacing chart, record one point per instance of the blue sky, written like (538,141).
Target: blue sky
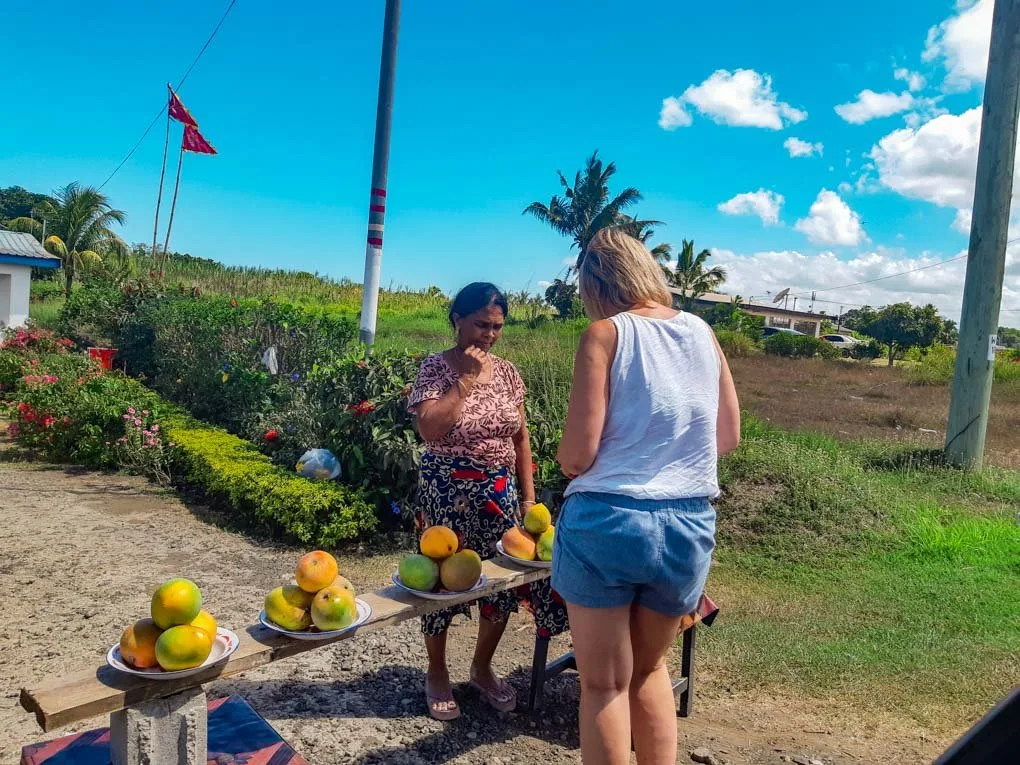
(492,99)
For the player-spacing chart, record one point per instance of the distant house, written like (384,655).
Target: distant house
(19,254)
(803,321)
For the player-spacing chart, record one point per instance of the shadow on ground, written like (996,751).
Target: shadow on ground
(397,692)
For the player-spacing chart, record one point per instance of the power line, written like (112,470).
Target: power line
(880,278)
(164,106)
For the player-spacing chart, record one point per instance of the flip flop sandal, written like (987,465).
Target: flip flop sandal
(452,711)
(503,700)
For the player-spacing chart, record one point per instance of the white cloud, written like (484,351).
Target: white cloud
(799,148)
(742,98)
(871,105)
(673,114)
(962,221)
(844,188)
(543,285)
(936,162)
(960,44)
(914,80)
(764,204)
(831,221)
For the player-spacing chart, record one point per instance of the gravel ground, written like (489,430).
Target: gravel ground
(80,554)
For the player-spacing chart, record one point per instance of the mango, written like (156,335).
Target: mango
(518,543)
(439,542)
(287,607)
(544,548)
(334,608)
(461,571)
(316,570)
(418,572)
(183,647)
(342,581)
(205,621)
(537,519)
(176,602)
(138,644)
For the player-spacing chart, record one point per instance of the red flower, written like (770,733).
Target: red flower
(534,468)
(272,435)
(233,304)
(362,363)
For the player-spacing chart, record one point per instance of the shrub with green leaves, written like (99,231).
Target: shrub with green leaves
(798,346)
(233,473)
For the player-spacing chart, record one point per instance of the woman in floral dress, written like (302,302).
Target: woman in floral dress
(476,476)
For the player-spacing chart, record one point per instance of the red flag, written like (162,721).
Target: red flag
(195,141)
(177,110)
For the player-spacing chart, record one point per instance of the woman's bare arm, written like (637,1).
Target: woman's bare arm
(589,399)
(522,448)
(727,429)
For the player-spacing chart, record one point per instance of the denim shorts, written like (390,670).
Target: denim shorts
(612,550)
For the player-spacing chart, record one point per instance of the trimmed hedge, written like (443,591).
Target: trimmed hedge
(230,470)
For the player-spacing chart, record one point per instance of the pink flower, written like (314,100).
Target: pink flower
(138,423)
(145,446)
(131,410)
(145,411)
(155,428)
(127,416)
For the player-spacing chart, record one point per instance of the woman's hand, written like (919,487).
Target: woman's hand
(472,362)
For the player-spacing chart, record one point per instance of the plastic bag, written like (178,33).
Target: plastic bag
(318,463)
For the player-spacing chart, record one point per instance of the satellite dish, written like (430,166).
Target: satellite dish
(779,297)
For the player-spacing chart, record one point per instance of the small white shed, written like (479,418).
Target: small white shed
(19,254)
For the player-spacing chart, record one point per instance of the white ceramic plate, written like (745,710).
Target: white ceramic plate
(226,643)
(528,563)
(364,614)
(443,595)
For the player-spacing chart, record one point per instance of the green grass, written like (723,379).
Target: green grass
(46,313)
(845,570)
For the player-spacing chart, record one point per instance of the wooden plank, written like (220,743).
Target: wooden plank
(64,700)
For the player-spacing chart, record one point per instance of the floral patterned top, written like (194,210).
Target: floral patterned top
(491,415)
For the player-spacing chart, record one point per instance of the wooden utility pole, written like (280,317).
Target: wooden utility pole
(986,256)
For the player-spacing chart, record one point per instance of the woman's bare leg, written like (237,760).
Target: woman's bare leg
(652,709)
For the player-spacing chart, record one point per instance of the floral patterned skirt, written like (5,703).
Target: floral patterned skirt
(479,503)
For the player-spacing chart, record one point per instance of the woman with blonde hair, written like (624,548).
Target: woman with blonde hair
(652,408)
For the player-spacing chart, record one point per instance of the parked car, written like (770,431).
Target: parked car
(843,342)
(769,331)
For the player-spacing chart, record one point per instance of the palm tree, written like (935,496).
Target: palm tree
(690,278)
(79,223)
(586,207)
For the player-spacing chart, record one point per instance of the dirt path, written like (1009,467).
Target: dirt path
(80,553)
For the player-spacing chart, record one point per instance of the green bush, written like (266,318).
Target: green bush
(869,349)
(233,472)
(799,346)
(69,410)
(356,407)
(736,344)
(205,353)
(44,289)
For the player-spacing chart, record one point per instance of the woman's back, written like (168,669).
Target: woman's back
(659,439)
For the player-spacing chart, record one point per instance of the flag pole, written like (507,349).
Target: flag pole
(162,175)
(173,205)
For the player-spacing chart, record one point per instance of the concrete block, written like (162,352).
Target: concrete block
(170,731)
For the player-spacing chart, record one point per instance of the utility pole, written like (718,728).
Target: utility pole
(986,255)
(380,168)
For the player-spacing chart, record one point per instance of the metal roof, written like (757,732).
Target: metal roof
(18,245)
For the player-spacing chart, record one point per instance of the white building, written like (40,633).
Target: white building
(19,254)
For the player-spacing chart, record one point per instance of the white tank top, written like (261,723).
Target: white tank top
(658,441)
